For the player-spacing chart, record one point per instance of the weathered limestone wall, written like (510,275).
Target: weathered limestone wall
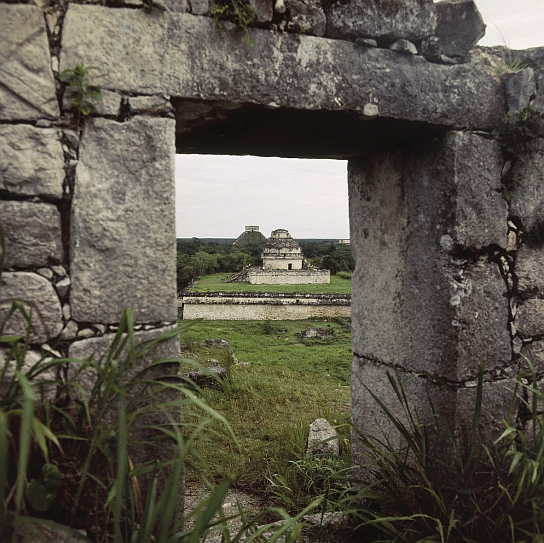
(288,277)
(446,213)
(243,306)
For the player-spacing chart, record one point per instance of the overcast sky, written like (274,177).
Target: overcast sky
(219,196)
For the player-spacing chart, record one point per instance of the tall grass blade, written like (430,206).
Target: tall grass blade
(25,439)
(3,469)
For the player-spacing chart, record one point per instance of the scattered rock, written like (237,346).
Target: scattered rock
(66,311)
(45,272)
(306,16)
(59,270)
(69,331)
(404,46)
(320,333)
(221,343)
(199,7)
(332,519)
(460,26)
(322,439)
(208,377)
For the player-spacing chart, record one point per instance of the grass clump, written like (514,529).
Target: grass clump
(81,93)
(433,485)
(240,12)
(216,283)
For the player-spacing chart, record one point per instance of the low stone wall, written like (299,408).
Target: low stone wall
(289,277)
(262,306)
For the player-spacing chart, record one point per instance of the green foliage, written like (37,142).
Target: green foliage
(240,12)
(216,282)
(434,484)
(344,275)
(329,255)
(278,385)
(40,494)
(81,93)
(509,63)
(153,7)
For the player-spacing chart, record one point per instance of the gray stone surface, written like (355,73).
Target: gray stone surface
(32,232)
(530,318)
(153,105)
(27,91)
(431,49)
(263,9)
(301,72)
(384,21)
(200,7)
(38,531)
(63,286)
(123,224)
(532,354)
(527,199)
(530,269)
(31,161)
(322,439)
(36,294)
(42,379)
(418,303)
(498,404)
(519,89)
(306,16)
(403,46)
(460,26)
(108,106)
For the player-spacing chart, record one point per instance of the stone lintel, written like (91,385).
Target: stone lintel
(188,57)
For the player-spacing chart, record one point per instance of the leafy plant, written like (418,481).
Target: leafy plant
(81,93)
(240,12)
(435,486)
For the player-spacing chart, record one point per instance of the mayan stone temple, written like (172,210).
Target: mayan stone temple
(445,150)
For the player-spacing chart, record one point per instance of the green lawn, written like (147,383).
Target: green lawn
(216,283)
(280,386)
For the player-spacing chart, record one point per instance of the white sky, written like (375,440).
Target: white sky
(219,196)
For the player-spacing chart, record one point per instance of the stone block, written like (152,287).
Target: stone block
(31,161)
(385,21)
(530,269)
(263,9)
(322,439)
(459,26)
(527,198)
(519,89)
(418,301)
(530,318)
(108,106)
(123,223)
(291,71)
(28,90)
(37,295)
(32,233)
(152,105)
(306,16)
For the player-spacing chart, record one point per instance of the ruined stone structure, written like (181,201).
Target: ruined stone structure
(262,306)
(446,200)
(250,235)
(282,252)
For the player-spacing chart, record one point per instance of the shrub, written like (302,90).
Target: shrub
(344,275)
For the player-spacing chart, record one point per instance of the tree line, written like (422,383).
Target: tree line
(197,257)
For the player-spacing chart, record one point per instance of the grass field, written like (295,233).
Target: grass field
(280,385)
(216,282)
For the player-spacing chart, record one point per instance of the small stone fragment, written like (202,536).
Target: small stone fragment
(63,286)
(59,270)
(101,328)
(45,272)
(69,331)
(322,439)
(404,46)
(85,333)
(431,49)
(66,312)
(512,243)
(370,111)
(367,42)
